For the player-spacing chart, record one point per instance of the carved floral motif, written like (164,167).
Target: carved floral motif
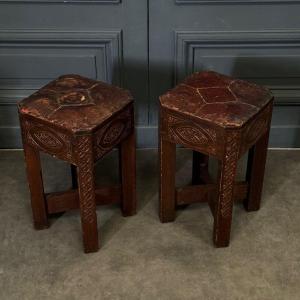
(47,140)
(189,134)
(228,173)
(110,135)
(256,129)
(85,164)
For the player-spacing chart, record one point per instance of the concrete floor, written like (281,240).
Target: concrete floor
(141,258)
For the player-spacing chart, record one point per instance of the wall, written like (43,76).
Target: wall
(148,46)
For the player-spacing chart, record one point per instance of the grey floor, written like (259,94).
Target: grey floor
(141,258)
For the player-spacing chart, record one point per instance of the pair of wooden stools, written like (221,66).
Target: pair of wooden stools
(79,120)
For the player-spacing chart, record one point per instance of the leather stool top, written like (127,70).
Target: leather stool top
(75,103)
(217,99)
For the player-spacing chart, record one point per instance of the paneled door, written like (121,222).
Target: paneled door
(258,40)
(42,39)
(147,46)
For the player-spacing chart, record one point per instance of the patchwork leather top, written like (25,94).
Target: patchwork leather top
(75,103)
(217,99)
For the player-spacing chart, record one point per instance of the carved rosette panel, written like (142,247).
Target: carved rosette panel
(228,173)
(256,128)
(86,184)
(112,133)
(46,139)
(190,134)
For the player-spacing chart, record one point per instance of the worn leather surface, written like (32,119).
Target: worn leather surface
(217,99)
(76,103)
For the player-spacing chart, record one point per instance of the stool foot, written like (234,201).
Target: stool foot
(224,204)
(167,219)
(255,173)
(90,240)
(200,168)
(222,243)
(127,162)
(35,181)
(38,226)
(87,201)
(167,181)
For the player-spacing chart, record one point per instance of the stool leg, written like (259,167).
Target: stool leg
(74,177)
(224,204)
(127,162)
(255,172)
(36,187)
(167,181)
(200,164)
(86,187)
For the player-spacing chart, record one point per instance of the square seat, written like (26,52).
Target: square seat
(75,103)
(219,116)
(217,99)
(79,120)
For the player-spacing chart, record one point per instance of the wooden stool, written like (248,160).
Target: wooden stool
(79,120)
(222,117)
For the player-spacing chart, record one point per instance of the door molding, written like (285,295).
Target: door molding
(187,42)
(212,2)
(63,1)
(102,48)
(109,41)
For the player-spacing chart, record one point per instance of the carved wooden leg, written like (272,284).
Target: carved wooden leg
(200,164)
(255,172)
(128,175)
(224,204)
(167,181)
(35,181)
(74,177)
(86,186)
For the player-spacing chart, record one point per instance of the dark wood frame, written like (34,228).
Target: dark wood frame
(81,151)
(225,144)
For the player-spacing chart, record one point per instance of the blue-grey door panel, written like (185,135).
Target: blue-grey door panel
(259,42)
(42,39)
(247,55)
(110,40)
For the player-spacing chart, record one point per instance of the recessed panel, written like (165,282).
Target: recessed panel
(267,58)
(29,60)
